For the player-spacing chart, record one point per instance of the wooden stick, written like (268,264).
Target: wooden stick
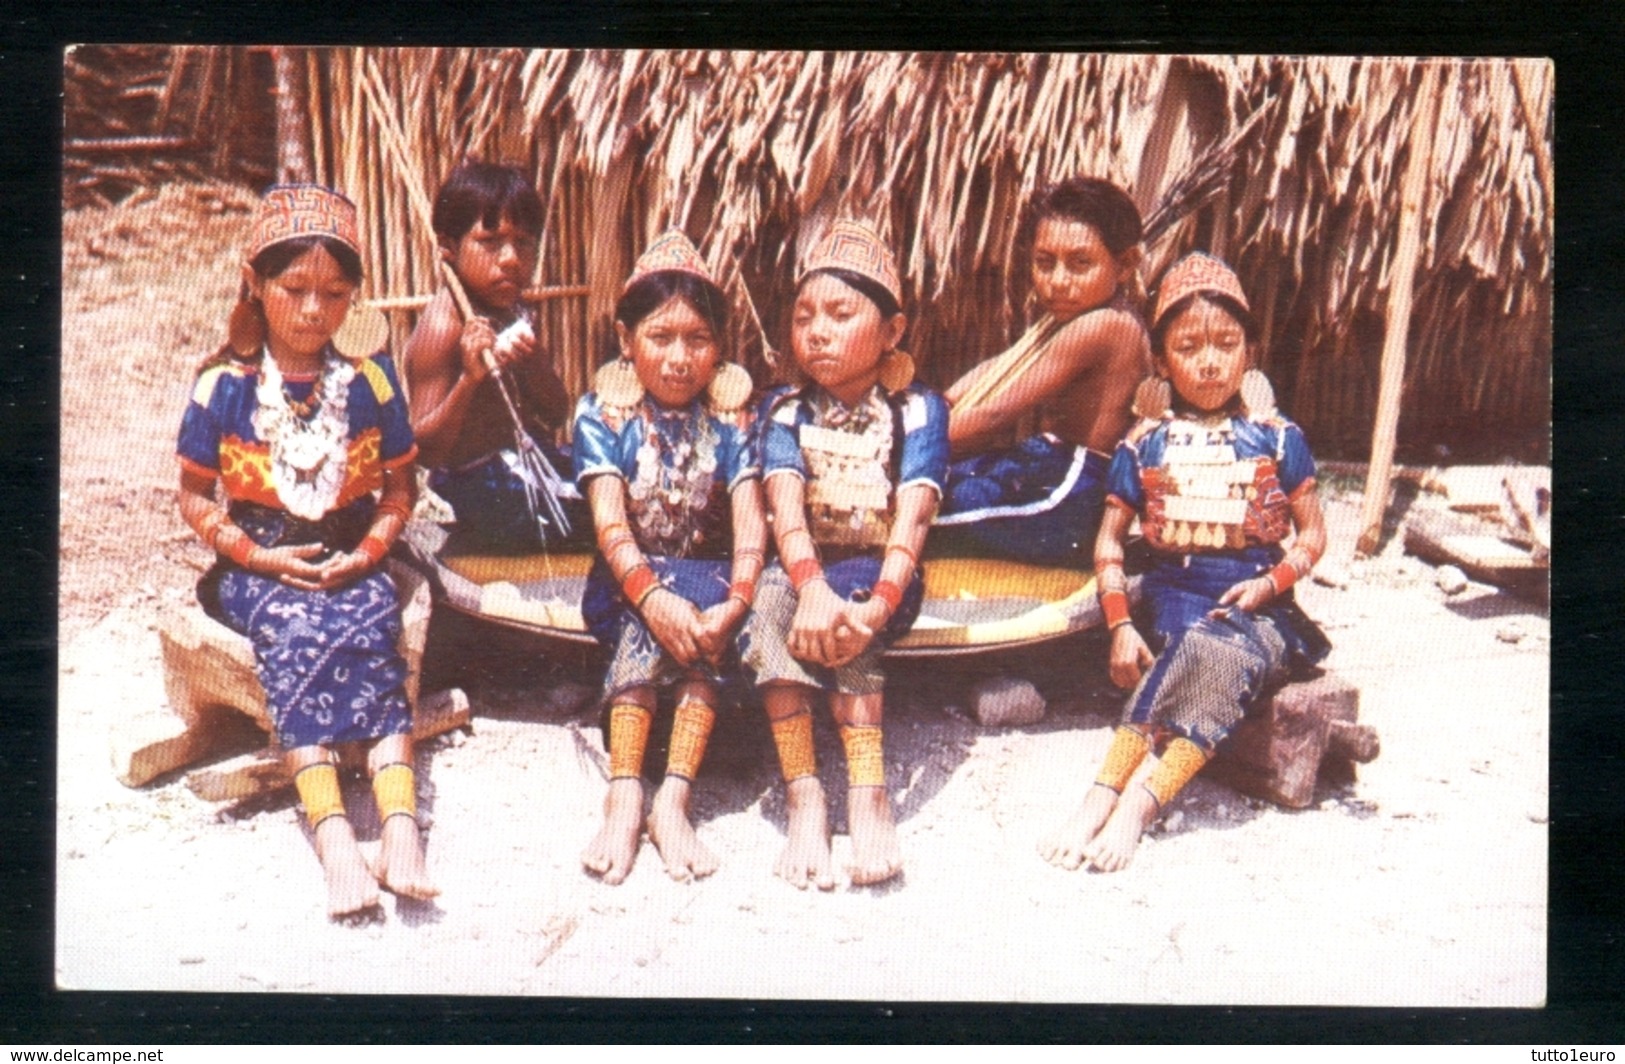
(1013,364)
(1407,247)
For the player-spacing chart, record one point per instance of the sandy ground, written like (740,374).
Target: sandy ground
(1422,884)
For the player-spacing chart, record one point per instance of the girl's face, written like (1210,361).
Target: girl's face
(304,304)
(839,335)
(1204,355)
(1073,270)
(673,350)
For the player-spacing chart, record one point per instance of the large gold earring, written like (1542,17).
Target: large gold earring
(245,329)
(1257,396)
(896,370)
(365,332)
(616,384)
(730,388)
(1153,399)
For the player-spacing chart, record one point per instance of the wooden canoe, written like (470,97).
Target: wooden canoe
(972,605)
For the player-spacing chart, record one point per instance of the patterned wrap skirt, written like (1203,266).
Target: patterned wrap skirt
(636,658)
(327,659)
(765,646)
(1210,669)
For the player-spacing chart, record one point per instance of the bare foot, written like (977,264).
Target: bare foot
(1113,848)
(611,853)
(351,888)
(673,834)
(401,868)
(806,856)
(1065,845)
(876,857)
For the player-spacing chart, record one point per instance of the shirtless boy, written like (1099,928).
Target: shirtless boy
(488,222)
(1040,499)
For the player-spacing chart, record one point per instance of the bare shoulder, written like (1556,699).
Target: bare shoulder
(433,343)
(1102,336)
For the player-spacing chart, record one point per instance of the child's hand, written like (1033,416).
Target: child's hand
(1130,656)
(675,623)
(855,629)
(1247,595)
(812,630)
(291,565)
(477,339)
(343,568)
(716,624)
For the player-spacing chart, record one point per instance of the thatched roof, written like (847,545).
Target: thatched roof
(1288,167)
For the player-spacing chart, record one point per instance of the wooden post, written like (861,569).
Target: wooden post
(1407,247)
(292,135)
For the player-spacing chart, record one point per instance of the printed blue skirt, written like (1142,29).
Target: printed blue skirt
(637,658)
(1210,669)
(327,659)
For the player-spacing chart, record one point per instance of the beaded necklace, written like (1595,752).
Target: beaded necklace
(309,440)
(676,473)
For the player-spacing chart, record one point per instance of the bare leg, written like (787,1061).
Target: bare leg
(614,849)
(806,857)
(351,888)
(1065,846)
(670,828)
(876,855)
(1113,848)
(401,867)
(1068,845)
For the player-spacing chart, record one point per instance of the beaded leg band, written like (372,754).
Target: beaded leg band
(865,760)
(690,730)
(1177,766)
(394,788)
(318,787)
(1128,749)
(794,738)
(628,737)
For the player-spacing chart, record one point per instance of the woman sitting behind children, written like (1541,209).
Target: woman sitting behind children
(1219,479)
(663,458)
(853,465)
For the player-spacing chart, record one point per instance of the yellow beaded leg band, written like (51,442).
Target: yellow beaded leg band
(690,730)
(865,762)
(318,787)
(628,737)
(394,787)
(794,738)
(1128,749)
(1181,761)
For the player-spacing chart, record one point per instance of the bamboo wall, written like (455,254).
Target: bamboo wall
(1286,167)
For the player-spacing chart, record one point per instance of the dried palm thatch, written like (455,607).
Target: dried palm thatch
(1287,167)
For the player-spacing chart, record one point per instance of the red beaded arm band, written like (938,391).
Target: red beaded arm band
(1113,599)
(805,572)
(889,593)
(639,584)
(374,548)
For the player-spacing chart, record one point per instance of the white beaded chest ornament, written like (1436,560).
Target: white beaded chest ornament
(309,441)
(1209,487)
